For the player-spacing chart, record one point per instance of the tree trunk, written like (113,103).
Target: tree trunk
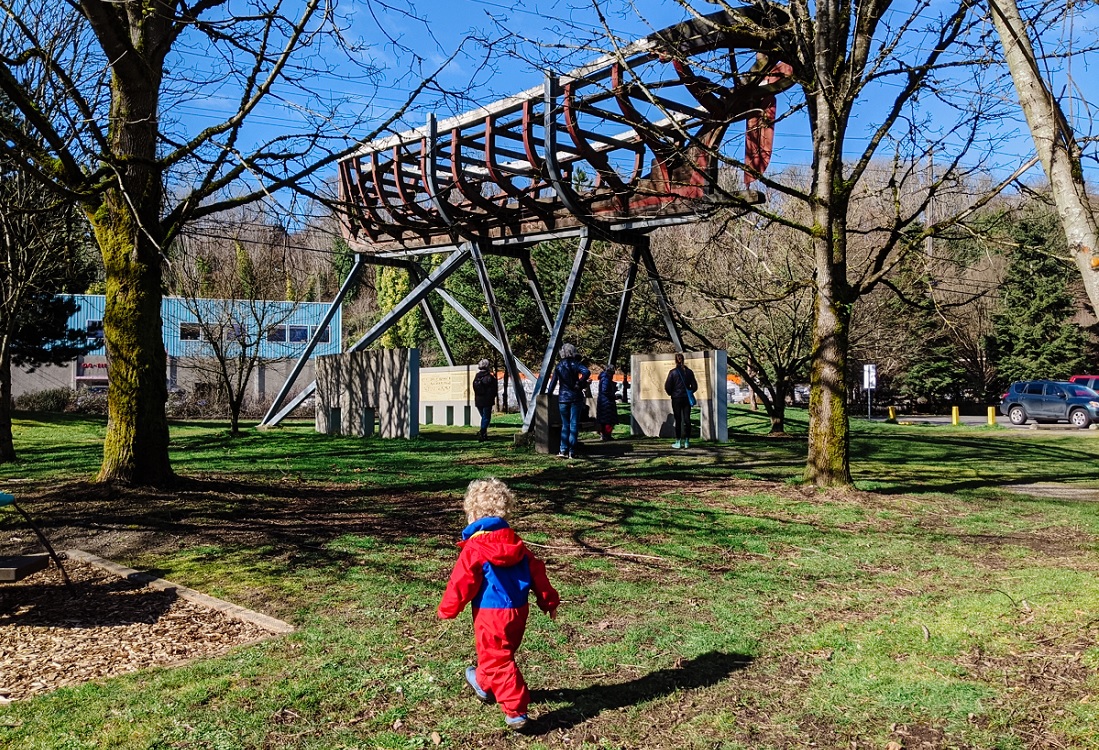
(828,463)
(7,441)
(1054,142)
(128,231)
(135,450)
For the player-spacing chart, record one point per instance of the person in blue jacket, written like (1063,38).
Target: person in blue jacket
(572,377)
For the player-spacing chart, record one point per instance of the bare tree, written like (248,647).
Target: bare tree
(132,138)
(43,250)
(741,285)
(239,281)
(865,70)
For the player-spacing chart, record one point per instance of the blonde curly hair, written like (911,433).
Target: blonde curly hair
(488,497)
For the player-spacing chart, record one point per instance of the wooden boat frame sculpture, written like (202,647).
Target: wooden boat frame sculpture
(565,160)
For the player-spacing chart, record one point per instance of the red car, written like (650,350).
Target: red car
(1088,381)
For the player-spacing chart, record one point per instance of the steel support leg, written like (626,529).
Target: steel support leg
(624,306)
(352,278)
(561,320)
(486,334)
(417,274)
(413,298)
(498,324)
(536,289)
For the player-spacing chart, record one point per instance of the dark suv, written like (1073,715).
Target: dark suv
(1050,401)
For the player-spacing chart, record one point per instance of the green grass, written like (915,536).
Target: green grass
(710,600)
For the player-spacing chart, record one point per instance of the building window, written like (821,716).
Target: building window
(276,334)
(95,329)
(324,336)
(299,334)
(190,332)
(237,333)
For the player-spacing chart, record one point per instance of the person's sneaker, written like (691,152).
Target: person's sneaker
(471,678)
(516,722)
(677,444)
(686,443)
(562,454)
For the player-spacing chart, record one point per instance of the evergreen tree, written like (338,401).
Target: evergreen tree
(1034,336)
(394,285)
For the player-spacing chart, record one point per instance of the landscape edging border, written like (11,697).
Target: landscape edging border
(230,610)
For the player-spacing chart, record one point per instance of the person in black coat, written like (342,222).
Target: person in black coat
(606,413)
(680,385)
(484,395)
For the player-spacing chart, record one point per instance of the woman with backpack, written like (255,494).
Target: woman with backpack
(681,386)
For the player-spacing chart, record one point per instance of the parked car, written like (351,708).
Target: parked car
(1050,401)
(1089,381)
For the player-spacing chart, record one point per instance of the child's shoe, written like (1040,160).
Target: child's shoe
(677,444)
(471,678)
(686,443)
(516,722)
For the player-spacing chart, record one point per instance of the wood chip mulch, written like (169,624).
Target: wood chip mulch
(52,635)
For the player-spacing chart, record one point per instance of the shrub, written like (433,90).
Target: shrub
(50,399)
(89,402)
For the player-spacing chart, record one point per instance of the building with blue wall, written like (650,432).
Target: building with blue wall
(288,328)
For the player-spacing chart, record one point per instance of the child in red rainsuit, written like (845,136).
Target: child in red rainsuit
(495,572)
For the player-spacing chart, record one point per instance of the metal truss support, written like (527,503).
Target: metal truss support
(561,320)
(351,280)
(624,306)
(498,325)
(413,298)
(427,285)
(658,290)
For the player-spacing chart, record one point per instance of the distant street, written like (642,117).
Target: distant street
(976,421)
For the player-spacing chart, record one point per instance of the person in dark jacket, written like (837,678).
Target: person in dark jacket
(495,573)
(572,377)
(680,385)
(484,395)
(606,413)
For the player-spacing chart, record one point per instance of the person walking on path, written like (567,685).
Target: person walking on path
(484,395)
(681,386)
(572,377)
(495,573)
(606,412)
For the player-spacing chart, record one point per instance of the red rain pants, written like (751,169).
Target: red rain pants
(497,634)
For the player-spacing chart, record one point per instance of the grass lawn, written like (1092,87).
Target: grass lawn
(709,599)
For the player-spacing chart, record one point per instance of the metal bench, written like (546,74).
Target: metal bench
(17,567)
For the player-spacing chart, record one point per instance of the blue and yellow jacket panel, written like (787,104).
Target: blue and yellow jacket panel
(495,571)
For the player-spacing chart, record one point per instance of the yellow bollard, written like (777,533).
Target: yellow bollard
(955,417)
(892,414)
(992,416)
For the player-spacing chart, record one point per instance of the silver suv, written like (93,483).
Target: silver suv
(1050,401)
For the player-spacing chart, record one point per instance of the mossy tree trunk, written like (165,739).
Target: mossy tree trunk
(829,105)
(127,226)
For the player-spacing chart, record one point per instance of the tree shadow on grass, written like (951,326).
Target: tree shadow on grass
(586,703)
